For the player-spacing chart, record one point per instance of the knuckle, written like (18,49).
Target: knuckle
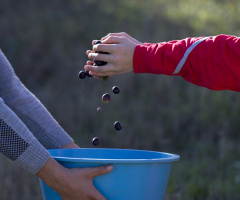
(117,59)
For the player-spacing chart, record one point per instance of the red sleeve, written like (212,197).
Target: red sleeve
(148,44)
(212,62)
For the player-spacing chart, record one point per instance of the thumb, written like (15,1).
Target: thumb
(96,171)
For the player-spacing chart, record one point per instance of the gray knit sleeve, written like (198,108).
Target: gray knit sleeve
(18,143)
(29,109)
(27,129)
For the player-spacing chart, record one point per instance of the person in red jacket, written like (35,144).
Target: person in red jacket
(212,62)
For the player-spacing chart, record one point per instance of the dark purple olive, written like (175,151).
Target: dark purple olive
(106,98)
(82,74)
(117,125)
(115,89)
(99,62)
(87,73)
(95,141)
(98,42)
(99,109)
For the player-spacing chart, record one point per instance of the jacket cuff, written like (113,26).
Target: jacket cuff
(139,59)
(34,157)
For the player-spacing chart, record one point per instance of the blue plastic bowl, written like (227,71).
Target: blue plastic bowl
(137,174)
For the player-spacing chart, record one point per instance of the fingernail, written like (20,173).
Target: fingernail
(109,167)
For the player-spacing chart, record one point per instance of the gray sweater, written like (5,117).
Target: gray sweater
(27,129)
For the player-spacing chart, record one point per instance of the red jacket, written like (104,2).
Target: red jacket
(212,62)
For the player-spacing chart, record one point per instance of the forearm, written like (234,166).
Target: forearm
(51,173)
(31,111)
(18,143)
(211,62)
(70,146)
(41,123)
(53,168)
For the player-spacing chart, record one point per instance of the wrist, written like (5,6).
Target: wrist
(140,64)
(71,145)
(52,173)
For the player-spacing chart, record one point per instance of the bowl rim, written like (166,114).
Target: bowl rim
(171,158)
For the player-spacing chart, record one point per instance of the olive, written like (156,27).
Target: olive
(115,89)
(82,74)
(95,141)
(99,109)
(117,125)
(106,98)
(87,73)
(99,62)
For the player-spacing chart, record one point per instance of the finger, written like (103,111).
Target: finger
(109,48)
(93,42)
(121,34)
(100,56)
(98,77)
(102,74)
(113,40)
(103,38)
(88,51)
(96,171)
(100,69)
(89,62)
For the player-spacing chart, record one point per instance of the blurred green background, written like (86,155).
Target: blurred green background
(46,41)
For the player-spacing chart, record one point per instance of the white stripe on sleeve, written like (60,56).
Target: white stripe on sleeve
(185,56)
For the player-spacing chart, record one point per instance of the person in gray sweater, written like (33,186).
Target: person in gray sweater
(27,130)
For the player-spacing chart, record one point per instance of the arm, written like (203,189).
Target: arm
(211,62)
(29,109)
(18,143)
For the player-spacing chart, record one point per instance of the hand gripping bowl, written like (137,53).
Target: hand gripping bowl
(137,174)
